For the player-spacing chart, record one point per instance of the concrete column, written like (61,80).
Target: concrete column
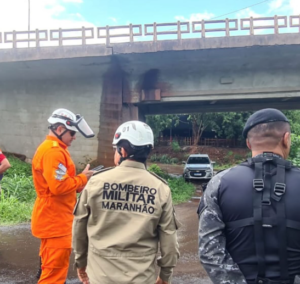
(112,111)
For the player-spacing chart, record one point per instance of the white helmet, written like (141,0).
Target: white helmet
(136,132)
(71,122)
(62,115)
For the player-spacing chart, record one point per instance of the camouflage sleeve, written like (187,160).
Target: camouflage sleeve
(79,233)
(212,243)
(167,233)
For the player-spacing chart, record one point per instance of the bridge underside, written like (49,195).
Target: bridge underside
(219,106)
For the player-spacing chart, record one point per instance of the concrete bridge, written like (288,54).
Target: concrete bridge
(113,82)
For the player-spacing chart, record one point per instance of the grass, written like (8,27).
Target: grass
(18,194)
(12,211)
(181,190)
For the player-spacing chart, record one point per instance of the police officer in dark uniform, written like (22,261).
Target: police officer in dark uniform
(249,217)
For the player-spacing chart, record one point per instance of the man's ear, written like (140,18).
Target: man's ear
(286,141)
(60,129)
(124,153)
(248,144)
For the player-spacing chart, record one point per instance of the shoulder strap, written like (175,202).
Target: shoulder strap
(103,170)
(278,193)
(258,186)
(160,178)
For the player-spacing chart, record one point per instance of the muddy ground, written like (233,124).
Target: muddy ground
(19,252)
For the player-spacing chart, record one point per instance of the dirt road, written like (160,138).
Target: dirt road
(19,252)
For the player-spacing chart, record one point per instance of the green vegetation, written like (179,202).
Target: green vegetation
(160,122)
(164,159)
(225,124)
(295,150)
(18,194)
(175,146)
(181,190)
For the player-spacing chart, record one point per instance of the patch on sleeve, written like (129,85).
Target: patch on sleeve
(60,172)
(62,167)
(59,177)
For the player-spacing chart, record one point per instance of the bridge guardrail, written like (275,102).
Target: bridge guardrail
(60,32)
(131,34)
(292,25)
(276,26)
(15,38)
(134,33)
(203,30)
(155,31)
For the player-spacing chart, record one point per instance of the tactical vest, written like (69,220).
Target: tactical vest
(258,232)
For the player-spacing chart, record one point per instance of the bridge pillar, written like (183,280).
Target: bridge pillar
(113,112)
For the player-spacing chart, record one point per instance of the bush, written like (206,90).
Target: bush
(20,187)
(230,153)
(165,159)
(12,211)
(154,158)
(158,171)
(18,194)
(295,150)
(17,168)
(295,147)
(238,157)
(175,146)
(174,160)
(181,191)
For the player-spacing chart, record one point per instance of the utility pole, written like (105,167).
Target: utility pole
(28,23)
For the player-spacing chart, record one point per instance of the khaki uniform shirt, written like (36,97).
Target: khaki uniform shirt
(121,216)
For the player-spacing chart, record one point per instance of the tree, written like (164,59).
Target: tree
(294,118)
(160,122)
(230,124)
(200,121)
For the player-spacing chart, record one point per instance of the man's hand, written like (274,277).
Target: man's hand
(82,275)
(87,172)
(160,281)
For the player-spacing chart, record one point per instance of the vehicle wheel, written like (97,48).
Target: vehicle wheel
(186,180)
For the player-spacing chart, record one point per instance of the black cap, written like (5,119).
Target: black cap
(263,116)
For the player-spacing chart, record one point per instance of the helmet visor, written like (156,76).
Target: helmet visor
(84,128)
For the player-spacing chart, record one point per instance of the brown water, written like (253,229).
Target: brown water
(19,252)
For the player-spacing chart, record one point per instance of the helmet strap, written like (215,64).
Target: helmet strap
(53,128)
(123,158)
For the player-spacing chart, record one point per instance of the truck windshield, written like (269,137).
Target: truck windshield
(198,160)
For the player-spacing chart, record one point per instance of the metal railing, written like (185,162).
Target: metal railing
(133,33)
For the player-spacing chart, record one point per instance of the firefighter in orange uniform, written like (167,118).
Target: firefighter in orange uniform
(56,184)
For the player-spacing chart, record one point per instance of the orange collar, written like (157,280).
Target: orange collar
(52,138)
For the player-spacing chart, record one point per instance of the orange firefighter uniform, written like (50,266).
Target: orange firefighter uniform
(56,184)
